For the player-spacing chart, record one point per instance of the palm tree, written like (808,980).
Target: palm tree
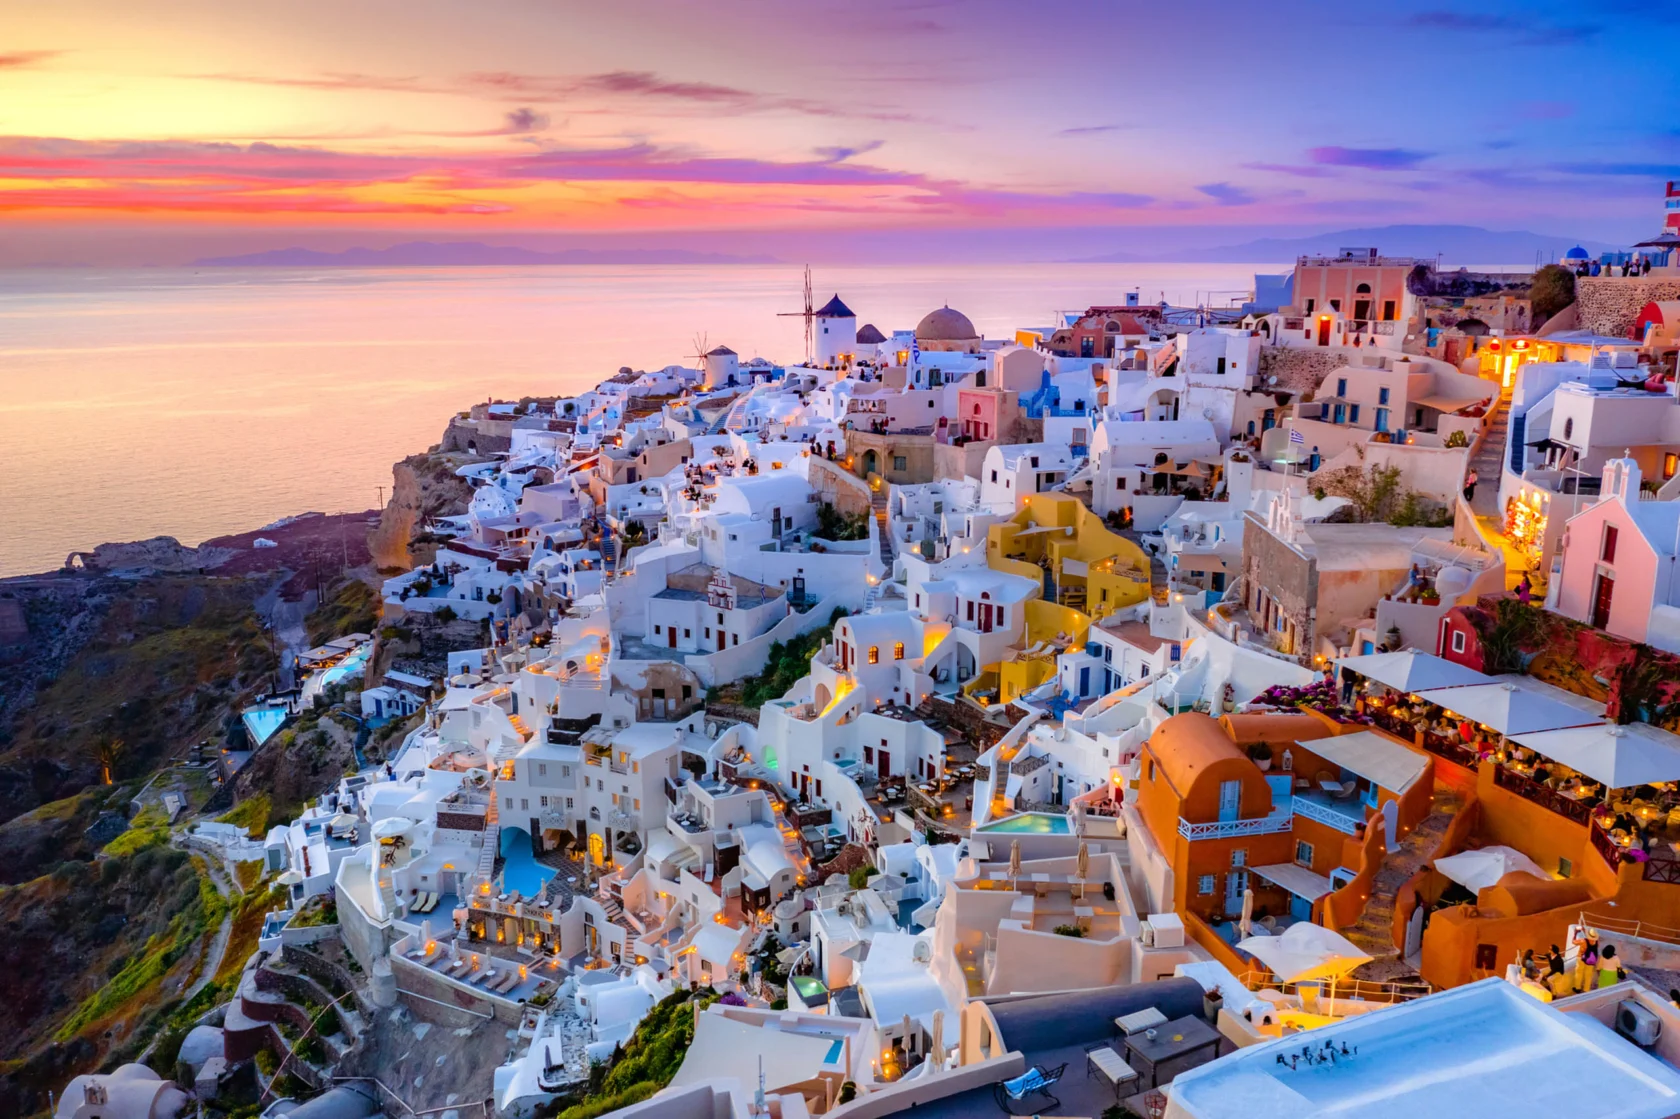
(106,750)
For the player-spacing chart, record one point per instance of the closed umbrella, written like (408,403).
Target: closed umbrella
(1014,859)
(1082,866)
(936,1047)
(1246,925)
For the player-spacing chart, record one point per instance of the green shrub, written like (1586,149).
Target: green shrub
(1070,930)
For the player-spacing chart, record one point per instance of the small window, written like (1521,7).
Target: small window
(1204,885)
(1671,464)
(1353,413)
(542,769)
(734,639)
(509,803)
(1388,310)
(657,629)
(898,650)
(525,804)
(1458,641)
(1608,555)
(874,654)
(1382,396)
(1566,868)
(1568,429)
(899,462)
(994,475)
(543,801)
(1487,957)
(1341,387)
(1303,853)
(1311,305)
(1239,856)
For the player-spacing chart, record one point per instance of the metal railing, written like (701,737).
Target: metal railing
(1228,829)
(1325,815)
(1536,793)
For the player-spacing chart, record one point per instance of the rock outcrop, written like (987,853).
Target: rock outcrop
(424,486)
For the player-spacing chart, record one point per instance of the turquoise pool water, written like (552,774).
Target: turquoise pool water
(262,722)
(1030,823)
(519,870)
(354,663)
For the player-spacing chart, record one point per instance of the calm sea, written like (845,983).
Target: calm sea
(197,403)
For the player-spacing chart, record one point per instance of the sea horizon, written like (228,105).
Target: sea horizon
(198,403)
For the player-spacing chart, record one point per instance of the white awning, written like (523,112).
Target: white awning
(1375,757)
(1450,403)
(725,1048)
(1412,671)
(1510,708)
(1298,880)
(1619,757)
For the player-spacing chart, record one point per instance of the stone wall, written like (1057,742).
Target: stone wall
(1298,371)
(838,486)
(413,979)
(1284,574)
(1609,304)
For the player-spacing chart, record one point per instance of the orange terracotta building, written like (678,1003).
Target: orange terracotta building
(1290,806)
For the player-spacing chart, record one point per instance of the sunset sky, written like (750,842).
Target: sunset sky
(146,131)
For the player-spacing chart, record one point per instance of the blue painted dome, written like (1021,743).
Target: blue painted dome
(1577,253)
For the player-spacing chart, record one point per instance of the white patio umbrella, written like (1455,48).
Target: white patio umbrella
(1476,870)
(936,1046)
(1619,757)
(1014,860)
(1306,952)
(1412,671)
(1508,708)
(1246,924)
(290,878)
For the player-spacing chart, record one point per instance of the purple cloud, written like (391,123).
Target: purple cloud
(1521,31)
(1548,110)
(1372,159)
(1227,195)
(1297,170)
(521,121)
(1094,129)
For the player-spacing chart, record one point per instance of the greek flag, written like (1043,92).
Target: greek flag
(915,352)
(1296,436)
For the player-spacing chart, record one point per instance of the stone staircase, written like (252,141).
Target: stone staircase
(1374,933)
(1489,459)
(492,844)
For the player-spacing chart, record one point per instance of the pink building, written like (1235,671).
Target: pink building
(1618,570)
(979,412)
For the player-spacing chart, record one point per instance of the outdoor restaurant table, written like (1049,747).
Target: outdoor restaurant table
(1178,1039)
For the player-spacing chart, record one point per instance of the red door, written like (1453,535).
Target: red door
(721,636)
(1324,331)
(1601,601)
(883,762)
(671,636)
(985,617)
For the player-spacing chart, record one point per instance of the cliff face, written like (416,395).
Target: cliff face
(424,486)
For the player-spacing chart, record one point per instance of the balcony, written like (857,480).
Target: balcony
(1328,815)
(1535,793)
(1232,829)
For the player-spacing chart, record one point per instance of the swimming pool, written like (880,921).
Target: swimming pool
(262,722)
(519,870)
(1030,823)
(355,662)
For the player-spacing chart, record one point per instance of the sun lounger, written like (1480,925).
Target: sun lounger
(1035,1081)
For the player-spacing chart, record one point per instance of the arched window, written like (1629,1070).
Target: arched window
(874,654)
(1362,289)
(898,650)
(595,813)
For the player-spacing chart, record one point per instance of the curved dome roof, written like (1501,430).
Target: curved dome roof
(945,325)
(1577,253)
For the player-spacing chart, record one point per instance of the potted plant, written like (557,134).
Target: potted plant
(1261,755)
(1212,1000)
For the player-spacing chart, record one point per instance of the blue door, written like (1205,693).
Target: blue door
(1230,800)
(1085,681)
(1300,908)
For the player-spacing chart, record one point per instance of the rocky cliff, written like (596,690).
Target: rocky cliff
(424,486)
(1609,304)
